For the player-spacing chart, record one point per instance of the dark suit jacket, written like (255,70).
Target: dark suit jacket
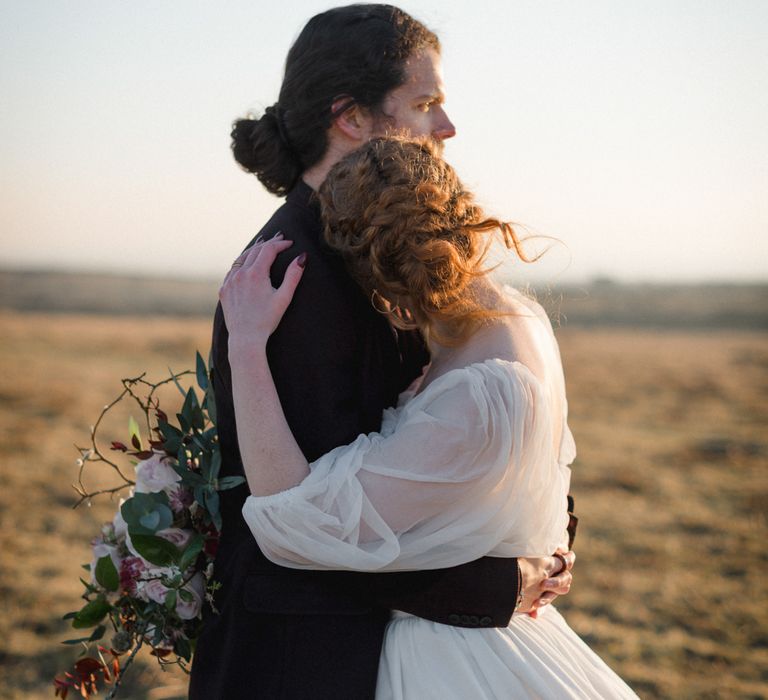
(284,633)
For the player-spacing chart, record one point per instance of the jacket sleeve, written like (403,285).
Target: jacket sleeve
(319,372)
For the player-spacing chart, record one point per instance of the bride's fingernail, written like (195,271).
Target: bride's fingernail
(301,261)
(278,236)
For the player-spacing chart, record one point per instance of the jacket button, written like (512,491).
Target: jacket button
(474,620)
(465,619)
(486,620)
(454,619)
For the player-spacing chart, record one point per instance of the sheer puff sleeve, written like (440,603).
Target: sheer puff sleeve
(467,468)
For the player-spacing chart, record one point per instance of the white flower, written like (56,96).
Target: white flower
(155,474)
(119,524)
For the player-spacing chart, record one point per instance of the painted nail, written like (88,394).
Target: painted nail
(278,236)
(301,261)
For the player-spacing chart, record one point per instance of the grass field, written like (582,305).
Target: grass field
(671,487)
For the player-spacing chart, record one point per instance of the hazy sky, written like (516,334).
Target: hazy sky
(635,131)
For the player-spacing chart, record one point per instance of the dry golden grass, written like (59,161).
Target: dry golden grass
(671,488)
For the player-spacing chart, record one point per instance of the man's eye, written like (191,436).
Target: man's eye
(424,106)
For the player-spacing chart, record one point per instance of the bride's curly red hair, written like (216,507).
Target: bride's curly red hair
(411,235)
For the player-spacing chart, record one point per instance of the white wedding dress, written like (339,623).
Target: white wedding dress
(476,464)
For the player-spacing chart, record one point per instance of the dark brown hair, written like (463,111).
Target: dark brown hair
(412,236)
(355,53)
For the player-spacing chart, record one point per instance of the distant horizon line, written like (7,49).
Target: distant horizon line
(201,277)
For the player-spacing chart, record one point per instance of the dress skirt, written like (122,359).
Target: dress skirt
(531,658)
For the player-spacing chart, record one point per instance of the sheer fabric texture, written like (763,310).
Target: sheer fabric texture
(468,467)
(475,464)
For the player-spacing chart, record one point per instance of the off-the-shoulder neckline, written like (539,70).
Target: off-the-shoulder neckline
(417,394)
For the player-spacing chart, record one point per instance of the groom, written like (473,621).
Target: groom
(353,73)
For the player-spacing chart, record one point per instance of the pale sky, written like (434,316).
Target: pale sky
(634,131)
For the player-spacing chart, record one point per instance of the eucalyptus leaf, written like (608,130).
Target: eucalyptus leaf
(155,549)
(151,521)
(145,513)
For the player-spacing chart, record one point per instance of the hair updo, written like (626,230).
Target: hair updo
(355,53)
(412,237)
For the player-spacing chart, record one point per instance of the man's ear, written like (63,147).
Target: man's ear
(354,122)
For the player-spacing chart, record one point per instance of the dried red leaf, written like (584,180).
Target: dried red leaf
(161,653)
(119,446)
(62,687)
(88,665)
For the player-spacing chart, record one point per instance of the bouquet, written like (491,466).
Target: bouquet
(151,566)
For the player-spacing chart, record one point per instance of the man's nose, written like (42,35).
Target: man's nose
(444,129)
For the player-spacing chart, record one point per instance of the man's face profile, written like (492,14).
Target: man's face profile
(417,104)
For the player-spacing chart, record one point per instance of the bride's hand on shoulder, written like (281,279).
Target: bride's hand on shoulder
(252,306)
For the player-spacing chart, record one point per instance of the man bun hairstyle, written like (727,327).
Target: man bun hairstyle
(356,54)
(411,235)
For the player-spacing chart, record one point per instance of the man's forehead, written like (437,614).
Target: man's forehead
(423,74)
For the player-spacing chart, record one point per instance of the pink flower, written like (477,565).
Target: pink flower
(189,610)
(155,474)
(176,536)
(154,590)
(180,499)
(131,571)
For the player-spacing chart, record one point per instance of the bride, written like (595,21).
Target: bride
(472,461)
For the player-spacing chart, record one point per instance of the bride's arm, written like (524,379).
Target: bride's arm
(272,459)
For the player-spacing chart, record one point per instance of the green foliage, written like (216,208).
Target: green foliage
(156,550)
(191,552)
(91,613)
(191,449)
(146,513)
(106,574)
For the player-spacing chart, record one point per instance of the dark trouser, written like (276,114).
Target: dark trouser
(296,653)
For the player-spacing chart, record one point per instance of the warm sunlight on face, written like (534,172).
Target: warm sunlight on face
(417,104)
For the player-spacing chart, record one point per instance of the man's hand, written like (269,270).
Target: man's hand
(544,579)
